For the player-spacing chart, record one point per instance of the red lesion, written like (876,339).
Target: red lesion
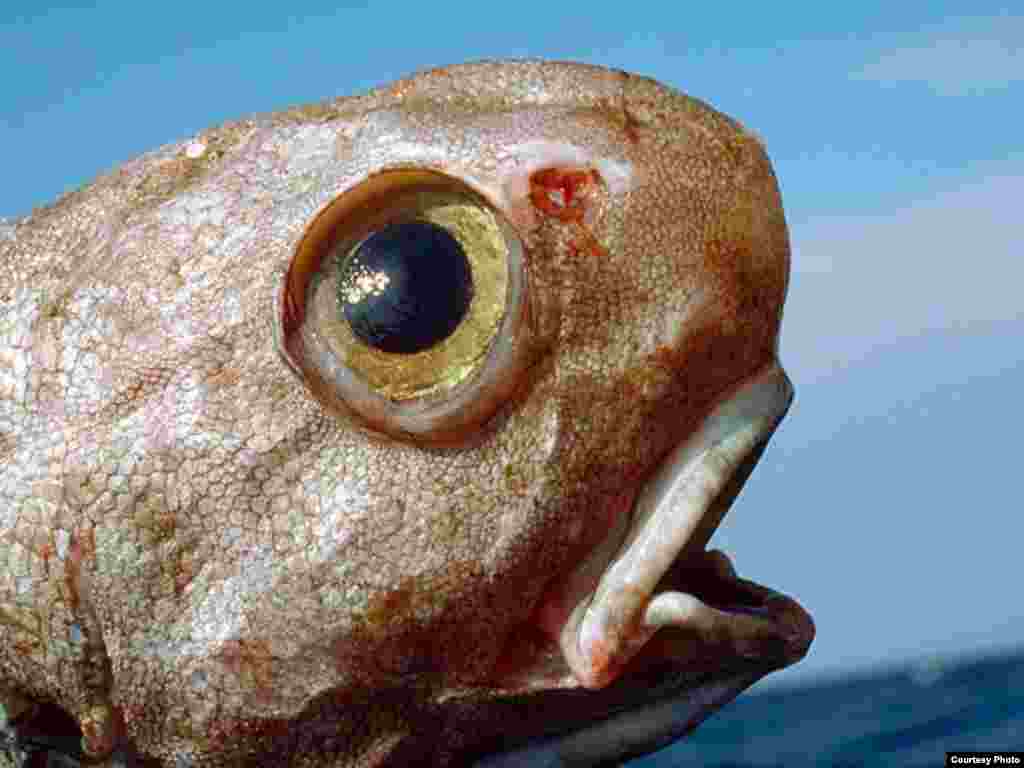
(562,194)
(558,192)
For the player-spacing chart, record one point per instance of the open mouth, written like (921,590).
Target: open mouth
(736,633)
(666,630)
(635,582)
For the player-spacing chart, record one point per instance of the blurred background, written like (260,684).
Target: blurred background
(886,502)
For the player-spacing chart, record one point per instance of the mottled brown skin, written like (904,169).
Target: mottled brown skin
(198,550)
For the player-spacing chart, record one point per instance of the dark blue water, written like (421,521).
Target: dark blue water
(902,717)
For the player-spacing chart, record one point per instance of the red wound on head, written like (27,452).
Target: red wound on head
(557,192)
(560,193)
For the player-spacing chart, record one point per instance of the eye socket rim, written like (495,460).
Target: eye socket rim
(448,417)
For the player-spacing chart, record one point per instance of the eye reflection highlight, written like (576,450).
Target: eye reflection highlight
(363,284)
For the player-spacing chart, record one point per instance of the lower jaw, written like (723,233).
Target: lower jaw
(760,625)
(669,687)
(624,730)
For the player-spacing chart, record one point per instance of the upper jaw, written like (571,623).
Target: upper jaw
(623,592)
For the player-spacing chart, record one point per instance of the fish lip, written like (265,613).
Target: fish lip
(672,517)
(777,630)
(667,689)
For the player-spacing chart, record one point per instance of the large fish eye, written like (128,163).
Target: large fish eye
(403,298)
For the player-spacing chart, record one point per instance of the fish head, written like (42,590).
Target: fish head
(579,436)
(422,406)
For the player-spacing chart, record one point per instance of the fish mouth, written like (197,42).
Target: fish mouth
(655,632)
(736,632)
(641,578)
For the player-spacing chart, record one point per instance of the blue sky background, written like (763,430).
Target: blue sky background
(887,503)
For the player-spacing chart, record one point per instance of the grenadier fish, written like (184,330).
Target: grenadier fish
(390,431)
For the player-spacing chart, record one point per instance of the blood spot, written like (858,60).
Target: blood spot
(562,194)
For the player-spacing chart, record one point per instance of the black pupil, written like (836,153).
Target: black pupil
(406,287)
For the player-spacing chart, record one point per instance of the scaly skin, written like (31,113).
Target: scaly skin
(209,557)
